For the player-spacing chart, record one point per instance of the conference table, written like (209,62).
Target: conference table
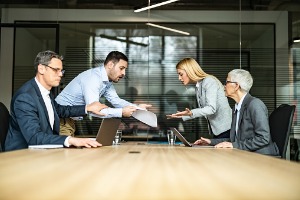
(139,170)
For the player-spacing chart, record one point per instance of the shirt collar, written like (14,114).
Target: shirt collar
(43,90)
(239,105)
(103,74)
(198,84)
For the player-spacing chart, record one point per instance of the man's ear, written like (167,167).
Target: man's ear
(237,86)
(110,64)
(41,69)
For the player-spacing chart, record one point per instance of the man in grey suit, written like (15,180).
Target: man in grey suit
(250,126)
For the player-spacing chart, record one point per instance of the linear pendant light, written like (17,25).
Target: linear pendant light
(155,5)
(296,39)
(169,29)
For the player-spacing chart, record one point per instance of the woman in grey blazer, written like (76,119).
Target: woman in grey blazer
(212,102)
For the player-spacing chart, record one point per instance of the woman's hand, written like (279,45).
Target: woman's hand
(202,141)
(224,145)
(179,114)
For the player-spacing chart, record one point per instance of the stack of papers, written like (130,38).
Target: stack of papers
(46,146)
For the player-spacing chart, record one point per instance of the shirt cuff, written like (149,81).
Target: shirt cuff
(184,118)
(66,143)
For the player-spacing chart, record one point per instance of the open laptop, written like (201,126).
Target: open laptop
(107,131)
(187,143)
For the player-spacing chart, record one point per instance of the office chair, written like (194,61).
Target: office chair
(280,122)
(4,120)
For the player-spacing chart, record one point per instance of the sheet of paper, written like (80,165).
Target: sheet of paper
(146,117)
(139,108)
(46,146)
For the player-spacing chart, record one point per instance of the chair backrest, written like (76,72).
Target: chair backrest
(280,122)
(4,120)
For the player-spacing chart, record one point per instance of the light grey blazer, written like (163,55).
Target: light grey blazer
(213,105)
(253,129)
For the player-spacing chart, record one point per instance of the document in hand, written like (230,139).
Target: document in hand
(146,117)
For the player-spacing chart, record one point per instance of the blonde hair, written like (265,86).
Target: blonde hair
(192,69)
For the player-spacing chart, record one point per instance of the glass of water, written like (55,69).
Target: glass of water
(171,137)
(118,137)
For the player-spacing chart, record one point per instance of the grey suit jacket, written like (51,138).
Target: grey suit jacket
(29,122)
(213,105)
(253,129)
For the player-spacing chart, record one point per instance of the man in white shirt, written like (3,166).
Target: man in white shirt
(94,83)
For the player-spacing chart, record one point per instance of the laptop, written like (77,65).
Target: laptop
(107,131)
(187,143)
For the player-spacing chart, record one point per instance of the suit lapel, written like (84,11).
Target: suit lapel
(244,106)
(41,100)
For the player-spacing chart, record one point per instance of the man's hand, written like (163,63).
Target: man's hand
(202,141)
(96,107)
(144,106)
(83,142)
(128,110)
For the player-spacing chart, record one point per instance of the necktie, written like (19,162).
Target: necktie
(234,121)
(49,109)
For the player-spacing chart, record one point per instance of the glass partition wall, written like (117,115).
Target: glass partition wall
(153,54)
(219,39)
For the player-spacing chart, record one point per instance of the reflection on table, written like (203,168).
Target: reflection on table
(144,171)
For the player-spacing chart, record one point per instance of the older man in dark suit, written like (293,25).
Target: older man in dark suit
(34,113)
(250,127)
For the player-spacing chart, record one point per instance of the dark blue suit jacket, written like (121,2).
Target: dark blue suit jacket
(29,122)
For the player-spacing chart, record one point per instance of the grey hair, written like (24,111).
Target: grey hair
(242,77)
(44,58)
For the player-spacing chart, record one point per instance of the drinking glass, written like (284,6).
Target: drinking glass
(171,137)
(118,137)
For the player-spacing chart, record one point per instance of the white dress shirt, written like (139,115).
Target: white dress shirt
(45,94)
(89,86)
(46,97)
(238,108)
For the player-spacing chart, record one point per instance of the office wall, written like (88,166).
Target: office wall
(279,18)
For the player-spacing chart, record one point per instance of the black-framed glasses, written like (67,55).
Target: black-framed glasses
(229,82)
(57,70)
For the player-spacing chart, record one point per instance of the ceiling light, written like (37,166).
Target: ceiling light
(296,39)
(155,5)
(169,29)
(122,40)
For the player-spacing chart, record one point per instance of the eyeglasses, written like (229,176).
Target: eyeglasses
(57,70)
(230,82)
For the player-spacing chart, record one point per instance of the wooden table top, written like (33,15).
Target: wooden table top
(137,171)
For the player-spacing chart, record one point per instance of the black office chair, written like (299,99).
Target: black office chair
(4,120)
(280,122)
